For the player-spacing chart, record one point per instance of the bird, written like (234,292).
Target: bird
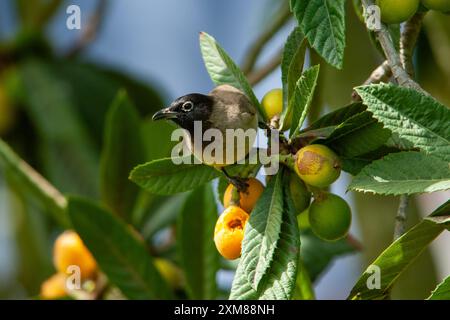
(224,108)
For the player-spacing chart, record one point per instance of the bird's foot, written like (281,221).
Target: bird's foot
(240,183)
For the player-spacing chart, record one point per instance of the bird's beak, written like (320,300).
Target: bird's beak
(165,113)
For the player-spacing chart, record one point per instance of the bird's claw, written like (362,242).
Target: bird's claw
(239,183)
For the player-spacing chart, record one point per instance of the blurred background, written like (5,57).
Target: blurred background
(56,86)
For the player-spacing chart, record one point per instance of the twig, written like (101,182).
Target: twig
(392,56)
(256,76)
(408,40)
(47,12)
(90,31)
(259,44)
(402,69)
(381,74)
(37,183)
(400,218)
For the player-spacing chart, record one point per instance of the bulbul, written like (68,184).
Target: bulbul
(223,108)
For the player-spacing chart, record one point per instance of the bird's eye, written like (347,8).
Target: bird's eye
(187,106)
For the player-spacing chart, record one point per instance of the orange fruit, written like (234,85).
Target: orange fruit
(249,198)
(229,232)
(70,250)
(54,287)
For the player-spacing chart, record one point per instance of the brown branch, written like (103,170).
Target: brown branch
(402,69)
(400,218)
(90,31)
(408,40)
(255,49)
(256,76)
(392,56)
(381,74)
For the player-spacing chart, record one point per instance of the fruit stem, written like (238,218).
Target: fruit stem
(288,160)
(235,197)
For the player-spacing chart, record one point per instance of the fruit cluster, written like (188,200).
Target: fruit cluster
(229,230)
(398,11)
(317,166)
(68,250)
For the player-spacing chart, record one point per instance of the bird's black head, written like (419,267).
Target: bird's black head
(187,109)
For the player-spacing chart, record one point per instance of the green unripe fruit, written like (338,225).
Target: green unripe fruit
(330,216)
(438,5)
(303,220)
(397,11)
(299,193)
(317,165)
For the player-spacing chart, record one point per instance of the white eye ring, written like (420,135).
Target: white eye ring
(187,106)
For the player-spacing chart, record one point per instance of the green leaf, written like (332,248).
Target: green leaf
(31,181)
(83,79)
(357,136)
(303,286)
(279,281)
(162,214)
(323,23)
(123,149)
(223,70)
(303,95)
(291,68)
(165,177)
(196,250)
(241,288)
(415,117)
(317,254)
(121,255)
(337,117)
(403,173)
(442,291)
(399,255)
(262,232)
(292,63)
(69,158)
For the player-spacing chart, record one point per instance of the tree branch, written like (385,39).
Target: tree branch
(392,56)
(408,40)
(36,183)
(90,31)
(400,218)
(381,74)
(259,44)
(402,69)
(256,76)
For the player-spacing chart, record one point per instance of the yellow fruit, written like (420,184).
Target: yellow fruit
(330,217)
(317,165)
(272,102)
(300,195)
(7,113)
(54,287)
(170,272)
(438,5)
(69,250)
(229,232)
(249,198)
(397,11)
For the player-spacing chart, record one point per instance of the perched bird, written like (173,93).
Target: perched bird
(223,108)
